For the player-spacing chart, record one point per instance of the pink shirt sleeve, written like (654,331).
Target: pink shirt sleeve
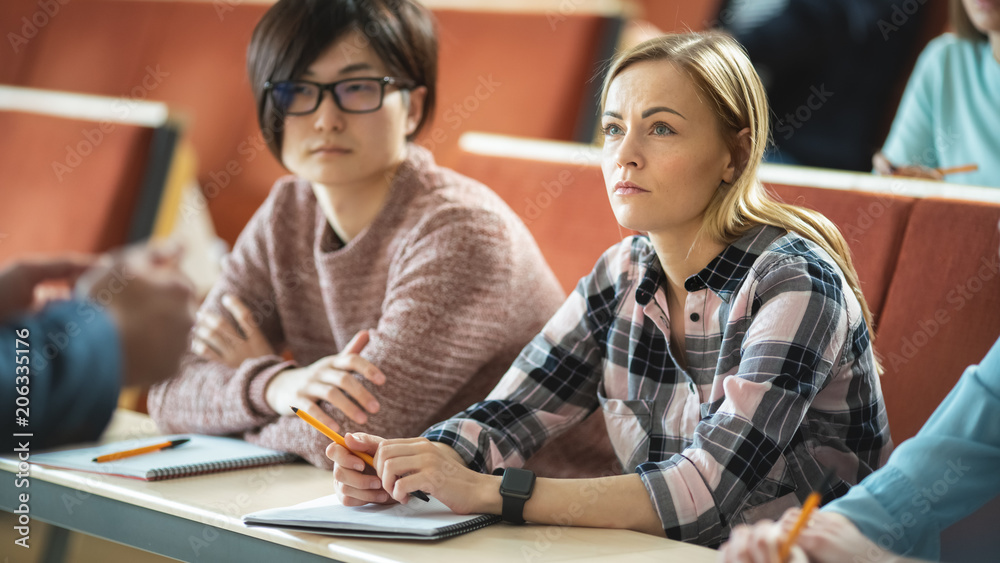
(210,397)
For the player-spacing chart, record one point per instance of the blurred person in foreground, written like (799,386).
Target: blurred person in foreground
(64,362)
(900,510)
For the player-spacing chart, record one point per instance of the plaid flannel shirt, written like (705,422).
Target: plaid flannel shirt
(780,383)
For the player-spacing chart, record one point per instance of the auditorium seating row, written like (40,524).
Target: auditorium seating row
(192,56)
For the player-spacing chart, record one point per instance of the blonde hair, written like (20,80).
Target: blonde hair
(722,72)
(962,23)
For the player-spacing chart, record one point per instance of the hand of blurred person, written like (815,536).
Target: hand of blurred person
(761,543)
(152,305)
(331,379)
(21,280)
(829,537)
(885,168)
(217,338)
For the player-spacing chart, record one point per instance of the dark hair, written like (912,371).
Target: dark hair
(293,33)
(962,23)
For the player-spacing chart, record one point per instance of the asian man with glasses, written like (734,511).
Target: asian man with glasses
(400,290)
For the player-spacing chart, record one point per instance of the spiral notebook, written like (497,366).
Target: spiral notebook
(200,455)
(415,520)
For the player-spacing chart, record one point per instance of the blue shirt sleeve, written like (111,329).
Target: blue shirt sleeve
(71,374)
(911,137)
(943,474)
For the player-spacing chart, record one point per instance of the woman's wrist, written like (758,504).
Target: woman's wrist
(485,488)
(490,501)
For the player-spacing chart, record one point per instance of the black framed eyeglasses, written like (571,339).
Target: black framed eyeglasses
(352,95)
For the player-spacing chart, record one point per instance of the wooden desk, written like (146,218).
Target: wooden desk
(199,519)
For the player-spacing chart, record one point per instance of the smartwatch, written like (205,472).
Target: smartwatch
(515,489)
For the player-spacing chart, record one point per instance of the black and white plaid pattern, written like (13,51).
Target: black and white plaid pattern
(780,383)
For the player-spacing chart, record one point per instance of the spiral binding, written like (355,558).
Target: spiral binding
(218,466)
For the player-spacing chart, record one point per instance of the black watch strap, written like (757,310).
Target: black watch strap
(513,510)
(515,489)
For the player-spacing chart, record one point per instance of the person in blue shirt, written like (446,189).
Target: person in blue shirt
(943,474)
(950,112)
(61,367)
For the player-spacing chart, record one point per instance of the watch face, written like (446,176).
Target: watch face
(518,482)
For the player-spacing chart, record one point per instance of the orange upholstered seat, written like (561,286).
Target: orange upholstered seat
(941,312)
(68,185)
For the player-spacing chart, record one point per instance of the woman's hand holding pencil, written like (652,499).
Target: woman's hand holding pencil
(828,537)
(885,168)
(338,439)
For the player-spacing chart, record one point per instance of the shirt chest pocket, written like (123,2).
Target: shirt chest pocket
(629,423)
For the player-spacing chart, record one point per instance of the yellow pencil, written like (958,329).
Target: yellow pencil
(340,440)
(332,435)
(807,509)
(958,169)
(812,502)
(139,451)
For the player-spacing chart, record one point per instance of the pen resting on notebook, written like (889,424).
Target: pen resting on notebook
(139,451)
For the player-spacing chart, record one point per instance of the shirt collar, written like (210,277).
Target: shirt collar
(722,275)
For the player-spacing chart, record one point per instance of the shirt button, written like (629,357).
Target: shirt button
(695,317)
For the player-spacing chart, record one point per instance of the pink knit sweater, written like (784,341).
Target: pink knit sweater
(447,278)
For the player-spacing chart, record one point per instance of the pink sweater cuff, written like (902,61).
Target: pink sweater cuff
(258,384)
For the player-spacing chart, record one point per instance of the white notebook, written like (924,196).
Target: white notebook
(202,454)
(416,520)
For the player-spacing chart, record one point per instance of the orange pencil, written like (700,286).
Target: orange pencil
(139,451)
(812,502)
(340,440)
(332,435)
(958,169)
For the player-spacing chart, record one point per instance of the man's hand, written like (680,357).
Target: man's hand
(218,339)
(152,304)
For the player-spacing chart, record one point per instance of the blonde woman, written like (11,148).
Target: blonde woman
(729,348)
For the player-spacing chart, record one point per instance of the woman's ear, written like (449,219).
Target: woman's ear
(416,110)
(739,156)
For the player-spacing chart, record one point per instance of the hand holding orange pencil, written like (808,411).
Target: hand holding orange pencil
(811,504)
(340,440)
(884,167)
